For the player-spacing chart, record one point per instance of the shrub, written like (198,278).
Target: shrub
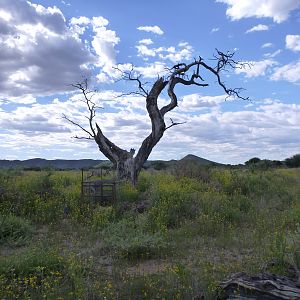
(170,210)
(145,181)
(252,161)
(129,239)
(48,211)
(176,282)
(31,261)
(174,201)
(221,207)
(159,165)
(42,273)
(128,193)
(14,230)
(256,184)
(102,216)
(210,225)
(32,274)
(296,248)
(293,162)
(192,169)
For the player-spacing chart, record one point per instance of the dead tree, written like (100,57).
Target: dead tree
(127,165)
(265,286)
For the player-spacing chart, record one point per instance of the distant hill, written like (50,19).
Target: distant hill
(44,163)
(163,164)
(90,163)
(198,160)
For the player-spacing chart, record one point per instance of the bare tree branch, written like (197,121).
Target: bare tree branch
(130,76)
(82,138)
(78,125)
(194,73)
(174,124)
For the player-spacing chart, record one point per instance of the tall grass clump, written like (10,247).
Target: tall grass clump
(173,202)
(42,273)
(176,282)
(36,273)
(129,239)
(41,196)
(102,217)
(128,193)
(15,230)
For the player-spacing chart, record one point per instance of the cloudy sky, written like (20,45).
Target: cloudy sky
(45,46)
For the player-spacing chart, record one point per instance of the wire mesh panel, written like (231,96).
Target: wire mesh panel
(101,191)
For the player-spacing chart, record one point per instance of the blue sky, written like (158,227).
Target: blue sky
(48,45)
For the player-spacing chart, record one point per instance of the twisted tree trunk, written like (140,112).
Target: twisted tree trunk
(127,165)
(264,286)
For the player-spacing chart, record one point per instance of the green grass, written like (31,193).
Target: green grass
(14,231)
(130,239)
(197,227)
(35,273)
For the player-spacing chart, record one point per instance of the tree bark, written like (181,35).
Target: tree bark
(264,286)
(128,167)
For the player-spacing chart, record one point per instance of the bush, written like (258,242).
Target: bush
(176,282)
(33,274)
(42,273)
(254,184)
(170,210)
(102,216)
(174,202)
(129,239)
(296,248)
(293,162)
(14,230)
(31,261)
(145,181)
(159,165)
(128,193)
(221,207)
(252,161)
(192,169)
(210,225)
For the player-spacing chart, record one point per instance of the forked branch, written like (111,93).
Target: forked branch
(128,166)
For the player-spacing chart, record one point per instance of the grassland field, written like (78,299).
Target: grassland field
(175,236)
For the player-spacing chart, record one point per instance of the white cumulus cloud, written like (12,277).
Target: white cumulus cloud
(256,68)
(215,29)
(278,10)
(39,53)
(143,50)
(273,54)
(267,45)
(154,29)
(43,54)
(289,72)
(176,55)
(194,102)
(153,70)
(146,42)
(292,42)
(172,53)
(259,27)
(104,42)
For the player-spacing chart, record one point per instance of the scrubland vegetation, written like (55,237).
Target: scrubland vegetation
(175,236)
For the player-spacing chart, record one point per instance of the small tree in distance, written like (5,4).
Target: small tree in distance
(252,161)
(127,164)
(293,162)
